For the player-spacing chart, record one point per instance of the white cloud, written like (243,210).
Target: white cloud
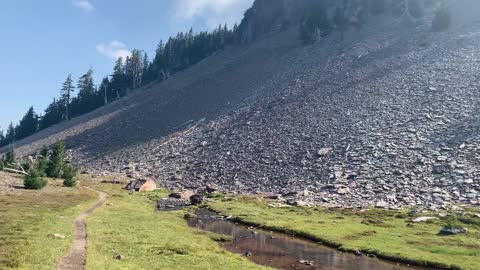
(85,5)
(211,12)
(113,50)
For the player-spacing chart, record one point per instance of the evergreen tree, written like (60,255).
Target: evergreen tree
(10,136)
(34,179)
(134,68)
(57,161)
(119,79)
(3,140)
(69,176)
(88,98)
(28,125)
(66,95)
(44,162)
(10,157)
(53,115)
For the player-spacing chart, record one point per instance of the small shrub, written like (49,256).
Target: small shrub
(452,221)
(26,166)
(69,176)
(441,20)
(34,180)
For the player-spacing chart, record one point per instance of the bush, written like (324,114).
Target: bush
(441,20)
(44,162)
(10,157)
(69,176)
(451,220)
(2,165)
(34,180)
(57,162)
(26,166)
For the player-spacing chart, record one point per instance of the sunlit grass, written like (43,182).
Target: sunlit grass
(130,226)
(28,218)
(384,233)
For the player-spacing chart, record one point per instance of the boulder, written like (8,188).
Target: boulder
(196,199)
(453,231)
(141,185)
(184,195)
(422,219)
(324,151)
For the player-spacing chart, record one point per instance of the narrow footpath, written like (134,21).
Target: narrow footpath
(76,257)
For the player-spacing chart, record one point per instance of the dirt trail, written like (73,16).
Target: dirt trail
(76,257)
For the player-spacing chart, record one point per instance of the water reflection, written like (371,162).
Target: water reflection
(283,252)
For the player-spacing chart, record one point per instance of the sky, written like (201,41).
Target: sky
(43,41)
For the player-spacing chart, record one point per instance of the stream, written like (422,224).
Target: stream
(284,252)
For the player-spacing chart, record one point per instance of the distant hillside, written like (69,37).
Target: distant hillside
(384,112)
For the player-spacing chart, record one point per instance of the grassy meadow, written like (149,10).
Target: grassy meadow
(387,234)
(28,220)
(129,225)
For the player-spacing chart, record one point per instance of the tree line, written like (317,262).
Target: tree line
(129,74)
(323,18)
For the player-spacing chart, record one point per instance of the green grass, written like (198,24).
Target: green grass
(388,234)
(29,217)
(130,226)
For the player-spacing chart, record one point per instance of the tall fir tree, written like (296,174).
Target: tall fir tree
(53,115)
(66,95)
(57,161)
(28,125)
(10,135)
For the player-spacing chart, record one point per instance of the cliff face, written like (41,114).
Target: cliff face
(267,16)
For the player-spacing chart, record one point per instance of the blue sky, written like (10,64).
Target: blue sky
(44,41)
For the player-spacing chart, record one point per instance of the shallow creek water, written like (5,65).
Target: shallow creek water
(285,252)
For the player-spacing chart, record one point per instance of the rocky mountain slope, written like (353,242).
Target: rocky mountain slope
(388,116)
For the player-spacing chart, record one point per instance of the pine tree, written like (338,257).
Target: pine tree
(10,136)
(66,95)
(118,81)
(3,141)
(57,161)
(44,162)
(53,115)
(34,179)
(28,125)
(69,176)
(10,157)
(88,98)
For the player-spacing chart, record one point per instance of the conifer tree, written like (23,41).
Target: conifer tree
(69,176)
(34,179)
(52,115)
(66,95)
(57,161)
(10,136)
(10,157)
(28,125)
(3,141)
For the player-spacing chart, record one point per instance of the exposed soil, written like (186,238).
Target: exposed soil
(76,258)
